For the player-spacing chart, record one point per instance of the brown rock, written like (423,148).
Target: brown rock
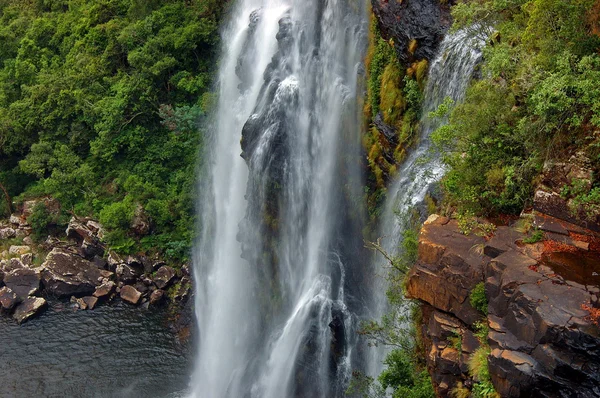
(67,274)
(157,297)
(130,294)
(105,290)
(24,282)
(90,302)
(29,308)
(8,299)
(19,250)
(164,276)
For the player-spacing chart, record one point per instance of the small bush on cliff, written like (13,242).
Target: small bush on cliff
(478,299)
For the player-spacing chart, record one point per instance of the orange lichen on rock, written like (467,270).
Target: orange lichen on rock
(594,316)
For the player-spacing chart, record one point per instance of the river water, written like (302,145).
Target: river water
(115,350)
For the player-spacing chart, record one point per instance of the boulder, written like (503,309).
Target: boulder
(86,303)
(182,289)
(16,219)
(164,276)
(127,273)
(67,274)
(105,290)
(7,233)
(157,297)
(8,299)
(24,282)
(130,294)
(13,264)
(19,250)
(29,308)
(78,230)
(27,259)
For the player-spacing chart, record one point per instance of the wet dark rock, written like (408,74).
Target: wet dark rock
(164,276)
(8,299)
(157,297)
(182,289)
(67,274)
(130,294)
(29,308)
(425,21)
(24,282)
(126,273)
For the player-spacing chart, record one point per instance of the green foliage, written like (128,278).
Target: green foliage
(478,364)
(478,299)
(537,96)
(536,236)
(94,94)
(39,220)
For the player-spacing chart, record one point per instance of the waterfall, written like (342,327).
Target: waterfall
(449,76)
(279,261)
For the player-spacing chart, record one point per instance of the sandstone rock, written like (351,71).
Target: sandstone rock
(24,282)
(7,233)
(28,241)
(130,294)
(15,219)
(19,250)
(96,228)
(105,290)
(164,276)
(113,260)
(8,299)
(448,269)
(157,297)
(67,274)
(78,230)
(90,301)
(52,205)
(182,290)
(29,308)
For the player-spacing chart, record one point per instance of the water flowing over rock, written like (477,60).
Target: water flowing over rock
(449,75)
(280,269)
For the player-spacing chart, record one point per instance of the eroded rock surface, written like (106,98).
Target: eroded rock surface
(542,339)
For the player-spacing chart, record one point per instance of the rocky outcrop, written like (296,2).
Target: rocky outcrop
(542,337)
(164,276)
(415,26)
(66,274)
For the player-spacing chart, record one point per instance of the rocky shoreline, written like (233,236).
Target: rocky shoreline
(78,267)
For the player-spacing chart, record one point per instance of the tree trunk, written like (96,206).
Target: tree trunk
(7,196)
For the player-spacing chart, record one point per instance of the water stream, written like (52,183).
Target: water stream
(449,76)
(279,259)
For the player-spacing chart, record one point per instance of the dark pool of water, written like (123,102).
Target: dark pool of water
(112,351)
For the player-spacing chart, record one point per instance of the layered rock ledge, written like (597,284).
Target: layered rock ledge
(543,339)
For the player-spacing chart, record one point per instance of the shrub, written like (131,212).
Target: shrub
(39,220)
(478,299)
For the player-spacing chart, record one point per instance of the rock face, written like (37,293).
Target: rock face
(542,339)
(424,21)
(67,274)
(448,268)
(29,308)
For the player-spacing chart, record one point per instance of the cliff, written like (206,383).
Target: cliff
(541,297)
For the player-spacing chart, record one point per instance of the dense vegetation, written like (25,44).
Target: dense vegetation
(538,99)
(99,107)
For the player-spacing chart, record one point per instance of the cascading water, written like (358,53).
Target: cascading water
(278,265)
(449,76)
